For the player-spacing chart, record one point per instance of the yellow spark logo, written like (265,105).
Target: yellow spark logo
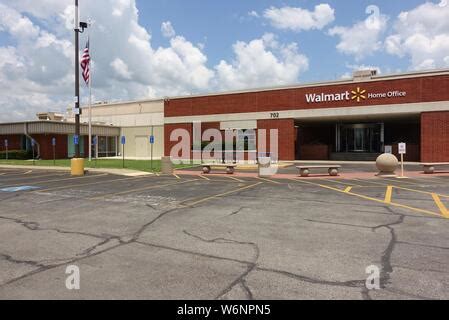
(359,94)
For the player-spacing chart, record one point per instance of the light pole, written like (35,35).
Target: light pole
(77,80)
(77,163)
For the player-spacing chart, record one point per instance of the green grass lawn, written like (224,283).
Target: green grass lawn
(140,165)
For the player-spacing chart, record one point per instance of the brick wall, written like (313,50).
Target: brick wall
(314,152)
(168,128)
(46,148)
(435,137)
(14,142)
(287,136)
(413,152)
(422,89)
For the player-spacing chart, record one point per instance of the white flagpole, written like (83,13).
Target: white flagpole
(90,97)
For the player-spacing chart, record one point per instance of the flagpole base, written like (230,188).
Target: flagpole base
(77,167)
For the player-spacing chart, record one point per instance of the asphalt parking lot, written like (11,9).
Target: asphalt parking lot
(221,237)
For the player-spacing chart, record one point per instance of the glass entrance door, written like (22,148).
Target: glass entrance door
(363,138)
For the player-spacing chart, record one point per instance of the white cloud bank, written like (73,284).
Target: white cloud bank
(36,68)
(298,19)
(422,34)
(262,62)
(362,39)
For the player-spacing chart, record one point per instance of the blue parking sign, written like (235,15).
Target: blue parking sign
(76,140)
(94,141)
(53,142)
(152,139)
(123,140)
(33,142)
(6,143)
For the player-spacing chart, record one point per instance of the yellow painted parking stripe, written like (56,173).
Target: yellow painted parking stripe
(371,199)
(409,189)
(268,180)
(235,179)
(348,189)
(423,192)
(88,184)
(204,177)
(139,189)
(388,194)
(221,194)
(341,183)
(440,205)
(402,181)
(372,182)
(175,175)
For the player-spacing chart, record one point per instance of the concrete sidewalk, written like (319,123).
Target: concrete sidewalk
(120,172)
(342,175)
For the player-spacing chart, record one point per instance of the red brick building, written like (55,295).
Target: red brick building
(19,136)
(354,119)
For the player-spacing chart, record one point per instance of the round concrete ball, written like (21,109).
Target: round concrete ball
(387,163)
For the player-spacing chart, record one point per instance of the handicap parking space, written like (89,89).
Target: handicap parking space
(286,238)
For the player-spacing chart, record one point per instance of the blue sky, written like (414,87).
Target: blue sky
(221,23)
(152,49)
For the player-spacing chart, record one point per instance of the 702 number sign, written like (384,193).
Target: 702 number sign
(274,115)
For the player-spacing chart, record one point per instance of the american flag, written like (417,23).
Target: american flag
(85,63)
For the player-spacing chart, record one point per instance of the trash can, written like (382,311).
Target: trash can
(264,167)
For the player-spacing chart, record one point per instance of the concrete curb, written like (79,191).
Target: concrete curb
(119,172)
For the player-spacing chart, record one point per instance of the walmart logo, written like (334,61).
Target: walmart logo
(358,94)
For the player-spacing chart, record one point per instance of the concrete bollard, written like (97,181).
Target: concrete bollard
(166,165)
(77,167)
(387,164)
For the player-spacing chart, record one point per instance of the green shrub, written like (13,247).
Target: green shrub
(16,155)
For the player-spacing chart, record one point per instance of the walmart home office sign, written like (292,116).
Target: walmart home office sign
(358,95)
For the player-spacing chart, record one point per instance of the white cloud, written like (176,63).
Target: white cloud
(298,19)
(253,14)
(36,68)
(422,34)
(167,29)
(120,6)
(121,68)
(262,62)
(363,38)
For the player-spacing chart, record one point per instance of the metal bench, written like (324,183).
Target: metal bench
(229,167)
(429,168)
(304,171)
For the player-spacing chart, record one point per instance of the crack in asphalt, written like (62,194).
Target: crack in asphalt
(387,267)
(88,252)
(339,224)
(422,245)
(249,294)
(250,265)
(34,226)
(236,211)
(349,283)
(16,261)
